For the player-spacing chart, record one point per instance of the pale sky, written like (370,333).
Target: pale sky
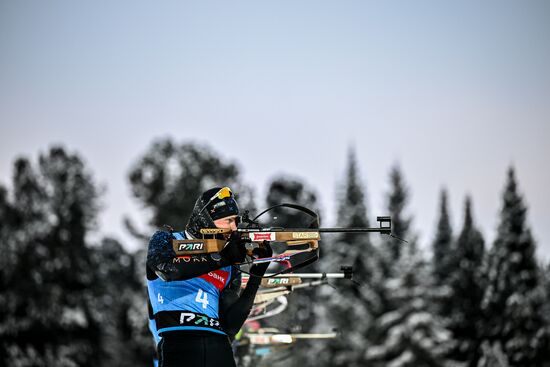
(453,91)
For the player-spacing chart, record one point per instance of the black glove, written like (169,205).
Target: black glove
(234,251)
(263,251)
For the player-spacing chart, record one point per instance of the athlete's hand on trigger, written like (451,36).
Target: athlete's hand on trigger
(234,251)
(264,250)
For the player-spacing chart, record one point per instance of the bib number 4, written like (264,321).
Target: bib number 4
(202,297)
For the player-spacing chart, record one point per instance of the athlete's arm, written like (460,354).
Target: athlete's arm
(162,261)
(234,309)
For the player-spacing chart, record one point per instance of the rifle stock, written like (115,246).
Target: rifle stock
(293,237)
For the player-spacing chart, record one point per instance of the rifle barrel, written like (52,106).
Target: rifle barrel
(321,230)
(352,230)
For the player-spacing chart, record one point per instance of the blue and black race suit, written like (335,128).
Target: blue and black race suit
(194,293)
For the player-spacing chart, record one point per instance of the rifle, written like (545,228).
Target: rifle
(298,240)
(276,282)
(276,288)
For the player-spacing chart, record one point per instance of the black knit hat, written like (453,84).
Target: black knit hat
(220,203)
(213,204)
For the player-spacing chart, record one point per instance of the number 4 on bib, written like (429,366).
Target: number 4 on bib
(202,297)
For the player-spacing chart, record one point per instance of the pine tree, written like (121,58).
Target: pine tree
(405,332)
(346,308)
(286,189)
(299,316)
(514,299)
(119,302)
(390,248)
(8,246)
(465,281)
(397,201)
(442,243)
(352,249)
(47,319)
(546,308)
(492,355)
(169,177)
(409,334)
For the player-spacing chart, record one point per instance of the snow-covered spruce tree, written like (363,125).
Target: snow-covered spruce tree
(410,334)
(46,316)
(514,299)
(464,315)
(546,308)
(346,307)
(442,248)
(397,201)
(9,250)
(491,355)
(119,303)
(405,331)
(389,251)
(169,177)
(299,315)
(442,243)
(389,248)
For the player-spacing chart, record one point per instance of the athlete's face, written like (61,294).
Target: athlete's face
(227,223)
